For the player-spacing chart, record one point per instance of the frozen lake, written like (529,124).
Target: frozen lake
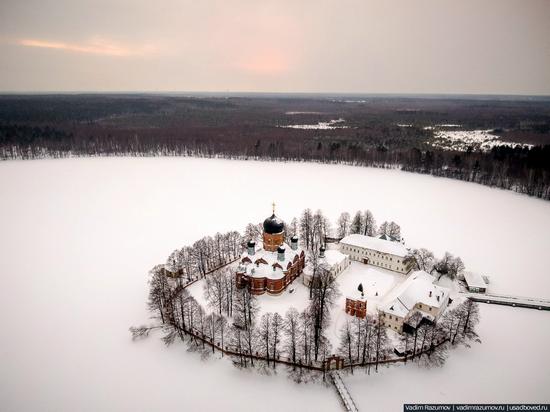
(79,236)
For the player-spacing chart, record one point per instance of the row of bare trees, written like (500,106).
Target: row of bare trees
(424,259)
(205,255)
(364,342)
(364,223)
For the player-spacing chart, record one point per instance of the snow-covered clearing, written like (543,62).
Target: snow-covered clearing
(377,282)
(460,140)
(331,124)
(79,235)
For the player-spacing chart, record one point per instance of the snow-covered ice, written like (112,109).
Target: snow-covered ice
(510,365)
(79,236)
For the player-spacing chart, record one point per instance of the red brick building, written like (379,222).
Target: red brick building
(356,306)
(274,266)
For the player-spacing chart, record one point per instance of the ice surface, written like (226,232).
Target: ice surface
(510,365)
(79,235)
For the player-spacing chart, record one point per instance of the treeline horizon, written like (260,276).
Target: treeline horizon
(35,127)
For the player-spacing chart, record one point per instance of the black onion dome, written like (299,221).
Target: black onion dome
(273,225)
(281,249)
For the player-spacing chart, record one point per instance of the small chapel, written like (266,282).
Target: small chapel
(273,265)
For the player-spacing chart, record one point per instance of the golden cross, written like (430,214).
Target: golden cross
(273,204)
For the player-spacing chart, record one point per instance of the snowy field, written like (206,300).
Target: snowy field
(79,235)
(483,140)
(331,124)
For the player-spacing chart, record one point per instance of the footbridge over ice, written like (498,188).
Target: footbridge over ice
(515,301)
(343,392)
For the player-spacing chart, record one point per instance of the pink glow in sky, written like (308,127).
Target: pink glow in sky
(360,46)
(96,46)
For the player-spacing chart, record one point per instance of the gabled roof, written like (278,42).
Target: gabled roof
(415,289)
(475,280)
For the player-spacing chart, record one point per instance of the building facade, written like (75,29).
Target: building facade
(374,251)
(356,306)
(417,294)
(332,260)
(272,267)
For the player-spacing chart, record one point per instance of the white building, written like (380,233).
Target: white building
(375,251)
(416,294)
(332,260)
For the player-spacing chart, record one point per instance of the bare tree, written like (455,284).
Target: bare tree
(253,231)
(214,290)
(357,223)
(414,321)
(366,339)
(221,327)
(344,222)
(291,327)
(159,293)
(449,266)
(384,229)
(380,341)
(245,307)
(320,230)
(394,231)
(421,259)
(347,342)
(264,335)
(276,332)
(324,293)
(306,228)
(369,226)
(306,338)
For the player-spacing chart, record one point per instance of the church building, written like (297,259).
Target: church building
(273,266)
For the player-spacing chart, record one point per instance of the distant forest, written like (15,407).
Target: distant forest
(253,127)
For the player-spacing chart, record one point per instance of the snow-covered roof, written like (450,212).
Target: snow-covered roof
(267,270)
(333,257)
(356,295)
(377,244)
(474,279)
(417,288)
(397,308)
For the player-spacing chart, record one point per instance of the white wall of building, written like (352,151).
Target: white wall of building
(375,258)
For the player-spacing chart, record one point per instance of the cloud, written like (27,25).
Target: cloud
(94,46)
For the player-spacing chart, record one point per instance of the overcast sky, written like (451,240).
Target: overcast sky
(387,46)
